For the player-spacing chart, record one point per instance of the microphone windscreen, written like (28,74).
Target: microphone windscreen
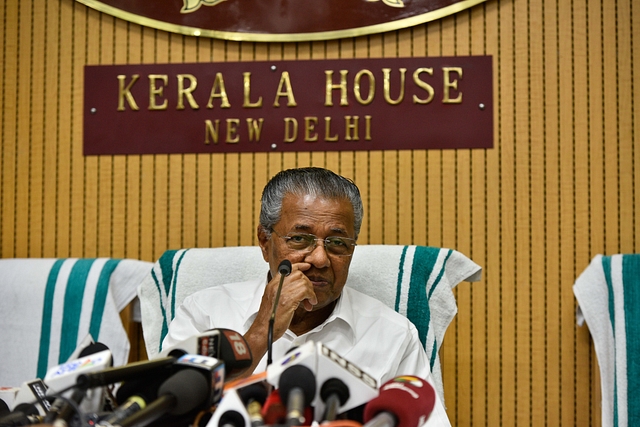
(4,408)
(298,376)
(190,389)
(95,347)
(253,392)
(234,352)
(337,387)
(410,399)
(285,267)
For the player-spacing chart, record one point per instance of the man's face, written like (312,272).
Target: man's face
(323,218)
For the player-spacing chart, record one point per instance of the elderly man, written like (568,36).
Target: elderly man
(311,217)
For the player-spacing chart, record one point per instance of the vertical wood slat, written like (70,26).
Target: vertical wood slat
(560,185)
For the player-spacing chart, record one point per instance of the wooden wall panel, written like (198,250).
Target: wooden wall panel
(560,185)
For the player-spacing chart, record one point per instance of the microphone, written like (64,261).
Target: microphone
(284,269)
(254,396)
(404,401)
(132,397)
(327,364)
(127,372)
(334,393)
(179,394)
(23,414)
(297,387)
(223,344)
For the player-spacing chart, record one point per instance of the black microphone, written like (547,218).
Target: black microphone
(284,269)
(124,373)
(181,393)
(133,396)
(334,393)
(23,414)
(254,396)
(297,387)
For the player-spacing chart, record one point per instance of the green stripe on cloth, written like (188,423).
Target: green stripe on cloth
(73,296)
(424,259)
(173,283)
(165,328)
(400,275)
(166,267)
(102,290)
(631,280)
(47,310)
(606,268)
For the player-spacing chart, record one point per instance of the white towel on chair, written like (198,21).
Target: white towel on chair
(416,281)
(608,295)
(49,306)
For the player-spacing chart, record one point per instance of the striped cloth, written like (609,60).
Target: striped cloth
(608,295)
(416,281)
(50,306)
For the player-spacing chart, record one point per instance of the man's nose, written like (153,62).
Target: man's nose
(318,256)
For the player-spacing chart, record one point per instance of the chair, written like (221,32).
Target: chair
(50,306)
(608,295)
(416,281)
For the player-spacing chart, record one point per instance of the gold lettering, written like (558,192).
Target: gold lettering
(356,87)
(424,85)
(157,91)
(290,129)
(247,93)
(255,128)
(448,84)
(287,91)
(367,128)
(351,128)
(310,128)
(211,130)
(218,90)
(386,72)
(327,130)
(232,129)
(329,86)
(124,92)
(188,92)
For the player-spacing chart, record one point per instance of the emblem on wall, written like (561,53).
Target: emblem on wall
(280,20)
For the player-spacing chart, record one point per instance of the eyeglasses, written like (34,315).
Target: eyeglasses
(306,243)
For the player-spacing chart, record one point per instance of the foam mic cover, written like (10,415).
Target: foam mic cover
(298,388)
(285,267)
(223,344)
(334,393)
(179,394)
(408,399)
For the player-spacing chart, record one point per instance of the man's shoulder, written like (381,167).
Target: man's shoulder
(366,305)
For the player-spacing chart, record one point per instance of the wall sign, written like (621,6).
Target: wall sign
(327,105)
(279,20)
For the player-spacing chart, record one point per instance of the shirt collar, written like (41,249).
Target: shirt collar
(343,311)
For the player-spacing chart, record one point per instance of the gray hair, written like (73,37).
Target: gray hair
(307,181)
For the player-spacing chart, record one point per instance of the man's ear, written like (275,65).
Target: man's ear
(263,241)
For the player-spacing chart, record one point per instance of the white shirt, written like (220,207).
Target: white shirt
(361,329)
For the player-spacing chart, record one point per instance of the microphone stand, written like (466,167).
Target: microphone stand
(284,269)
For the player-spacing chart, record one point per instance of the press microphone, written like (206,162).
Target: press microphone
(297,387)
(179,394)
(23,414)
(334,393)
(223,344)
(124,373)
(404,401)
(131,397)
(284,269)
(254,396)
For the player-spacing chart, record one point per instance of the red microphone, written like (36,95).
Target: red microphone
(404,401)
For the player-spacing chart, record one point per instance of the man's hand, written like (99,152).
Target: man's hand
(297,293)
